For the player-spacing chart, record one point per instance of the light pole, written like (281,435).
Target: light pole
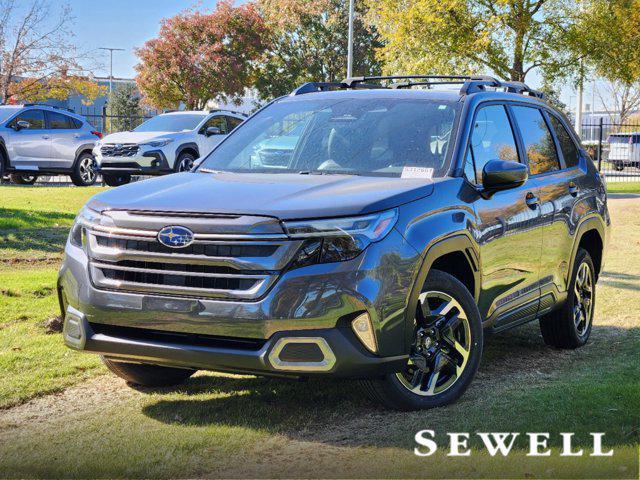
(111,50)
(350,41)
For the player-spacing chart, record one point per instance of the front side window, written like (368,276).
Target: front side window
(174,122)
(360,136)
(35,118)
(538,142)
(217,121)
(568,147)
(491,139)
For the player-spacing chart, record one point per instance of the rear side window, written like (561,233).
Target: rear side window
(491,139)
(35,118)
(233,122)
(538,142)
(59,121)
(569,149)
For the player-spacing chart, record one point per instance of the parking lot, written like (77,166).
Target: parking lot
(63,415)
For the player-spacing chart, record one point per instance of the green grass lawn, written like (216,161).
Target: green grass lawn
(623,187)
(230,426)
(34,223)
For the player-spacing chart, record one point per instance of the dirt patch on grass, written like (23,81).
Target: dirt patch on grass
(79,399)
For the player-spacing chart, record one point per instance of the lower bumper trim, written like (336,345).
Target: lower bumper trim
(349,359)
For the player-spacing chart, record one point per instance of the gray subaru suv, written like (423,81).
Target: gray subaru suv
(38,139)
(400,225)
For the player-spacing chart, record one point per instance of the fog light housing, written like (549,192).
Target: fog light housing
(363,329)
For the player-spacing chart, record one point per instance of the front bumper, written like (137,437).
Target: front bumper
(347,357)
(147,162)
(318,301)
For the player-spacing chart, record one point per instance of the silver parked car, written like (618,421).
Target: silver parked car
(44,140)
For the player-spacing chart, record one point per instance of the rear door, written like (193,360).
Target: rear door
(30,146)
(508,229)
(66,137)
(561,180)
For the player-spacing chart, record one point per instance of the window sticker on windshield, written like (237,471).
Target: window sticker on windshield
(417,172)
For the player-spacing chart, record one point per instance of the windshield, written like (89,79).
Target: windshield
(7,112)
(361,136)
(171,123)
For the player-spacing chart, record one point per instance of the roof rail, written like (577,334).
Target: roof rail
(36,104)
(214,110)
(470,84)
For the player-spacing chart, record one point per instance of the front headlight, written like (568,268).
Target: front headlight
(87,218)
(161,142)
(338,239)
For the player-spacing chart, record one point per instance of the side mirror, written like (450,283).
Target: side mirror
(22,124)
(210,131)
(503,175)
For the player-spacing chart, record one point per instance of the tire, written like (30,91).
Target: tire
(23,178)
(116,180)
(619,166)
(83,173)
(148,375)
(3,164)
(184,163)
(564,328)
(393,390)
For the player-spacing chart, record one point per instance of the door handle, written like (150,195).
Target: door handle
(532,200)
(46,137)
(573,189)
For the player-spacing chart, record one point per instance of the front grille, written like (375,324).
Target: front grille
(240,267)
(241,250)
(119,150)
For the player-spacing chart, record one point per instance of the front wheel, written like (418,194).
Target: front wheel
(619,166)
(23,178)
(148,375)
(184,163)
(446,349)
(116,180)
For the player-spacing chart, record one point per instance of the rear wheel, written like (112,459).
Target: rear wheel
(84,171)
(446,350)
(570,326)
(619,166)
(117,179)
(148,375)
(23,178)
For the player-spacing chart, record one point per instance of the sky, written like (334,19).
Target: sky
(129,23)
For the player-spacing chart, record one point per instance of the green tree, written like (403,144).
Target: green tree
(123,107)
(308,42)
(510,38)
(201,56)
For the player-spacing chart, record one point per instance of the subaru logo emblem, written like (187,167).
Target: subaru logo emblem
(118,145)
(175,237)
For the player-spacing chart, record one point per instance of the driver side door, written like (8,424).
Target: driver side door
(30,146)
(508,230)
(208,143)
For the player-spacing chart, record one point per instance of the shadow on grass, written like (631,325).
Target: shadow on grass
(626,281)
(567,393)
(46,240)
(15,219)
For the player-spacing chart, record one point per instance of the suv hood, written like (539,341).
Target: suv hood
(138,137)
(285,196)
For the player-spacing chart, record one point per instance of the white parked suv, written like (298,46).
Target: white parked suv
(167,143)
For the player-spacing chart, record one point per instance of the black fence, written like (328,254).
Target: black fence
(107,124)
(615,148)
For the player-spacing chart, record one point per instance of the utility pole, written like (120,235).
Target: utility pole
(350,41)
(578,124)
(111,50)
